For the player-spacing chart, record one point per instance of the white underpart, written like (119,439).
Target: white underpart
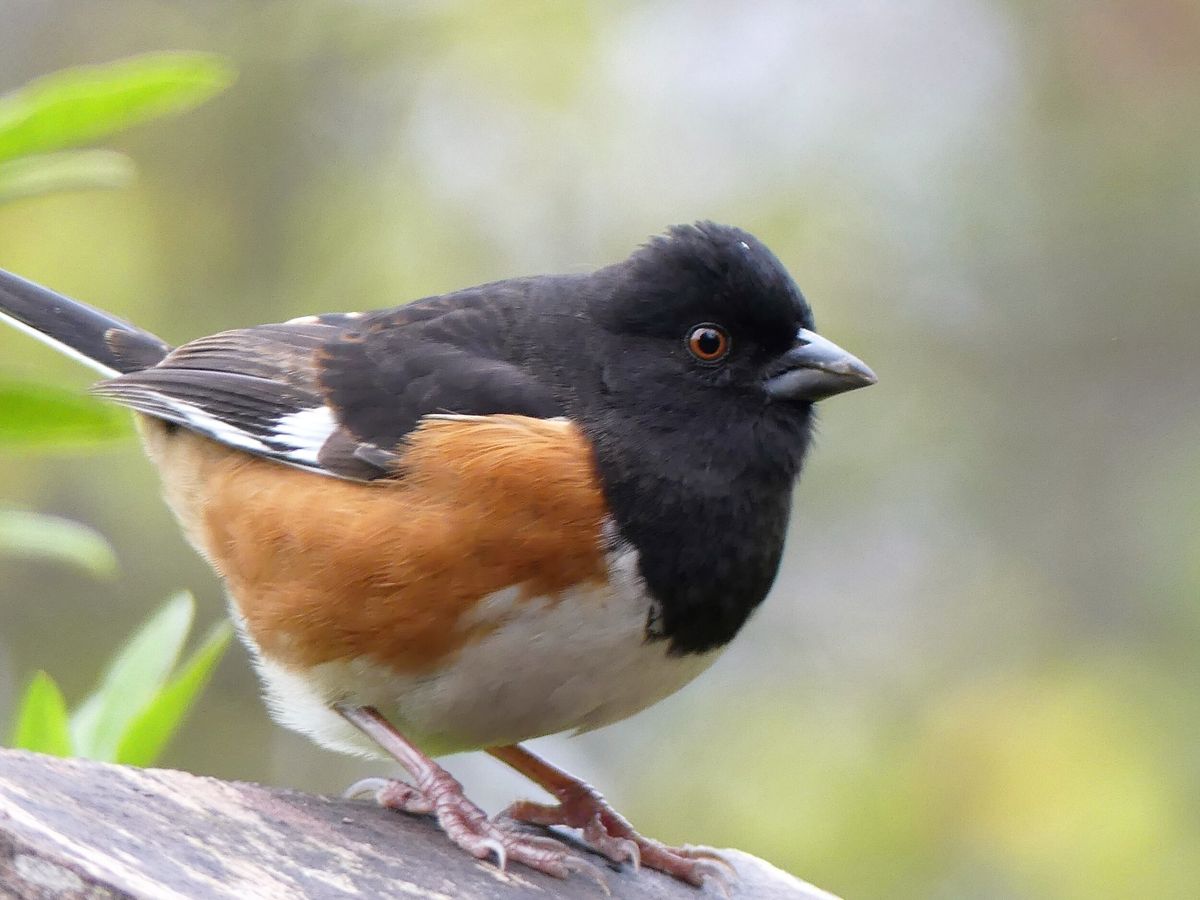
(305,432)
(66,349)
(571,663)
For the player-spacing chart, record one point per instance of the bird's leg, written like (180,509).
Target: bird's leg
(604,829)
(436,791)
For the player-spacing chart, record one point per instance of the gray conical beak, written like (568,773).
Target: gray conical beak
(815,369)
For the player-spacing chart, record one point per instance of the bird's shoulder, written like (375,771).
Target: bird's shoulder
(338,393)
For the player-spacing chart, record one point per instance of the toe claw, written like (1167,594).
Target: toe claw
(634,853)
(708,854)
(707,871)
(611,836)
(506,839)
(391,793)
(721,883)
(581,866)
(493,846)
(365,787)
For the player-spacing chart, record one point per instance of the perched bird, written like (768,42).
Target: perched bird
(533,506)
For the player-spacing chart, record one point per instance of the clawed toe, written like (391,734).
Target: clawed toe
(617,848)
(695,865)
(708,854)
(718,872)
(364,788)
(504,840)
(630,852)
(581,866)
(611,836)
(718,879)
(538,852)
(468,827)
(391,793)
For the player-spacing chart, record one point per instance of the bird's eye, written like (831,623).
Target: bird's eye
(708,343)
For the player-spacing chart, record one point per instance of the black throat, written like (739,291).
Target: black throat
(707,513)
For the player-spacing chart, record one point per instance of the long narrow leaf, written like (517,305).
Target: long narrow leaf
(134,677)
(80,105)
(148,734)
(62,540)
(68,170)
(42,721)
(36,416)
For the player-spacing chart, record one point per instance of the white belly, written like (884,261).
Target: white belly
(574,662)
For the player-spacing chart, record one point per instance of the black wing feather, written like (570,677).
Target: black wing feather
(380,396)
(338,393)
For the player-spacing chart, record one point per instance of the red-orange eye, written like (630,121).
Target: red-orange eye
(708,343)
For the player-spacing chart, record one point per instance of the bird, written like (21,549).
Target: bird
(534,506)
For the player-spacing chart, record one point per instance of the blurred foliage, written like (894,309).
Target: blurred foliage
(1055,784)
(43,724)
(143,696)
(140,701)
(79,169)
(81,105)
(977,674)
(41,417)
(65,109)
(29,534)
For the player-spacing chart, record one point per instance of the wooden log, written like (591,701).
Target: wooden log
(72,829)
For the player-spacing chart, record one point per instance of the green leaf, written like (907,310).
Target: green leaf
(36,416)
(69,170)
(50,537)
(80,105)
(134,677)
(148,734)
(42,722)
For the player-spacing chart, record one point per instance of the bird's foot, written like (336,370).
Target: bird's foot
(441,795)
(610,834)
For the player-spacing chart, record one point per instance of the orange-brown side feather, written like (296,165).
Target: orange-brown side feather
(324,569)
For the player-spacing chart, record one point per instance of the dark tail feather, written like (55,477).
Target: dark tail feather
(106,343)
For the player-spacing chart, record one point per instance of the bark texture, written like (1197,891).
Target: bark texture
(77,829)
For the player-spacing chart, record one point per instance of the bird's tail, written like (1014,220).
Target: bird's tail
(107,344)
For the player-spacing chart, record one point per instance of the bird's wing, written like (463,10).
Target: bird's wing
(338,394)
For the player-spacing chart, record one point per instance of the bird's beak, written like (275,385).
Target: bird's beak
(814,369)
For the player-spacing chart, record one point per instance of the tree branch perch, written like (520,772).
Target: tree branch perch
(76,829)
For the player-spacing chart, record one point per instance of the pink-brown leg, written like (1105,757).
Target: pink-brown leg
(604,829)
(436,791)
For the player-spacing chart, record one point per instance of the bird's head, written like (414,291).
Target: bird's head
(708,318)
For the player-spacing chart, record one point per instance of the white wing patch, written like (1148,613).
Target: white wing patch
(172,409)
(305,432)
(218,428)
(206,422)
(317,320)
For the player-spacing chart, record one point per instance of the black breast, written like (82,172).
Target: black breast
(708,515)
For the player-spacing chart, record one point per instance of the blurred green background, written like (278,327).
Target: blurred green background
(977,675)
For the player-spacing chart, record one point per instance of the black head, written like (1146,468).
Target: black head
(708,271)
(707,367)
(711,318)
